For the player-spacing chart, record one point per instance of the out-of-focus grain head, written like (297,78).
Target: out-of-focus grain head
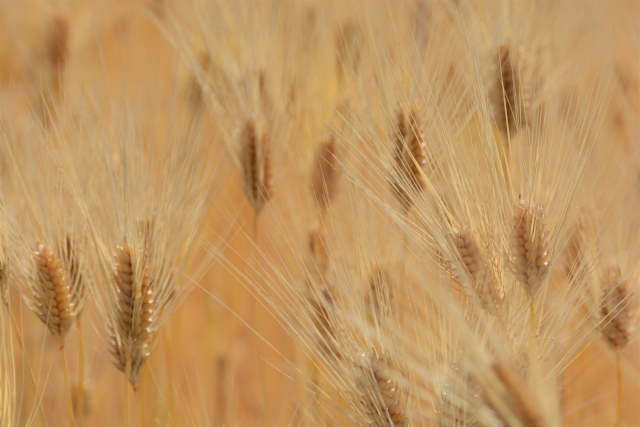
(325,175)
(348,48)
(483,272)
(255,158)
(618,307)
(384,401)
(380,294)
(510,94)
(408,157)
(510,400)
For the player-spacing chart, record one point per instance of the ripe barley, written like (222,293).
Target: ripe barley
(133,328)
(616,308)
(530,250)
(255,157)
(324,179)
(53,300)
(512,402)
(509,97)
(382,398)
(408,158)
(486,282)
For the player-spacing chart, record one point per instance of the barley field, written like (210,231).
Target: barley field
(320,213)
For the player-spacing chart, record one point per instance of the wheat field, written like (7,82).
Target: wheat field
(320,213)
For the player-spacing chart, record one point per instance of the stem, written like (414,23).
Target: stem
(619,378)
(66,384)
(261,362)
(140,398)
(168,359)
(532,326)
(80,388)
(125,392)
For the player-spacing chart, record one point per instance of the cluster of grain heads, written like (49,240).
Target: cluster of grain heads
(409,157)
(255,158)
(486,282)
(530,250)
(134,308)
(384,401)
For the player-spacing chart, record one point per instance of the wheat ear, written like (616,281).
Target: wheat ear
(509,98)
(513,402)
(255,157)
(486,282)
(617,319)
(530,249)
(382,398)
(408,158)
(133,327)
(324,179)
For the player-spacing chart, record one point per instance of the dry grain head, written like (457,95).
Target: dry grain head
(380,294)
(382,398)
(255,158)
(530,249)
(617,308)
(484,274)
(324,179)
(52,297)
(509,95)
(132,329)
(458,402)
(409,157)
(510,400)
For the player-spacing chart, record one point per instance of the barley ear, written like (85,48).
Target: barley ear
(530,249)
(382,398)
(255,157)
(409,158)
(134,311)
(53,300)
(485,281)
(616,308)
(324,179)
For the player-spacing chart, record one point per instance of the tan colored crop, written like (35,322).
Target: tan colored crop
(133,327)
(616,308)
(516,398)
(530,249)
(510,97)
(255,157)
(408,158)
(381,396)
(324,180)
(486,282)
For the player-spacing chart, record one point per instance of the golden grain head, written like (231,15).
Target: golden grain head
(530,255)
(409,158)
(133,322)
(52,294)
(617,308)
(382,398)
(255,158)
(486,281)
(510,95)
(324,179)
